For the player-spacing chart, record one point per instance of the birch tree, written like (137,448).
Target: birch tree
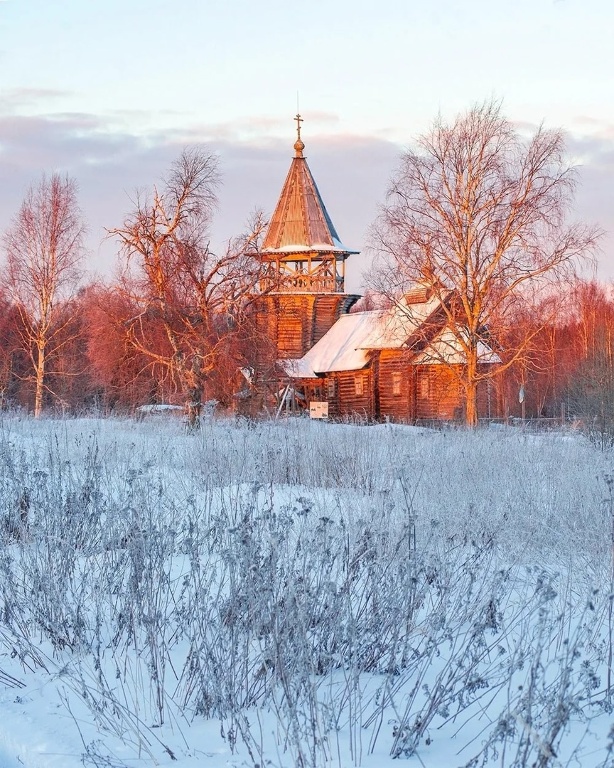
(479,212)
(44,253)
(196,297)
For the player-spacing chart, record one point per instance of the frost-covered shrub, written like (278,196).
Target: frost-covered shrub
(380,587)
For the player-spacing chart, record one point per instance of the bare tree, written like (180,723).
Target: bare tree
(479,213)
(590,339)
(44,249)
(10,349)
(192,303)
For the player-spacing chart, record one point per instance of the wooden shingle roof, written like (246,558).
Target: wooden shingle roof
(301,222)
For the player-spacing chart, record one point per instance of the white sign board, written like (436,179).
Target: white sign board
(318,410)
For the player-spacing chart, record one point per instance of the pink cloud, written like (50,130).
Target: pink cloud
(352,172)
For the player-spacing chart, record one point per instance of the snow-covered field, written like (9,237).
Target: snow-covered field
(303,594)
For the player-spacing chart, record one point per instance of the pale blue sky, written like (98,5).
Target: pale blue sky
(108,91)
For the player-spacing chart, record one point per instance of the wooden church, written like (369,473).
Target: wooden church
(396,363)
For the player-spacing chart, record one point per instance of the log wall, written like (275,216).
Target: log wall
(295,322)
(392,388)
(396,386)
(355,393)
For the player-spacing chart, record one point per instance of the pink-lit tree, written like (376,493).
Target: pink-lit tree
(480,210)
(44,250)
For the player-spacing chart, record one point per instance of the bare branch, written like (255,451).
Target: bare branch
(196,298)
(44,247)
(478,210)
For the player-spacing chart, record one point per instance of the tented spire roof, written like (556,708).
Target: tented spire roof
(301,222)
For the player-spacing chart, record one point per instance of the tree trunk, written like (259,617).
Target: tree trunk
(471,411)
(194,407)
(40,381)
(471,389)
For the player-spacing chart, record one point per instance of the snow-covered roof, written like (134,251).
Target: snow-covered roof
(336,247)
(347,345)
(343,348)
(446,348)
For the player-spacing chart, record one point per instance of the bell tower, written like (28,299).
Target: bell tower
(303,284)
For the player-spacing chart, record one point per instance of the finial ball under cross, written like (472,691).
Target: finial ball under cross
(298,144)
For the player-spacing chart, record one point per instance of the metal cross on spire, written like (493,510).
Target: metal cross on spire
(299,120)
(299,146)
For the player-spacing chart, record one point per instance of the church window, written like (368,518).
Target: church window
(359,385)
(396,383)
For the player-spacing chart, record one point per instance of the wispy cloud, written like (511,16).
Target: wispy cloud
(351,170)
(15,98)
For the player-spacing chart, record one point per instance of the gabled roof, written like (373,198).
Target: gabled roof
(342,348)
(300,221)
(446,348)
(348,344)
